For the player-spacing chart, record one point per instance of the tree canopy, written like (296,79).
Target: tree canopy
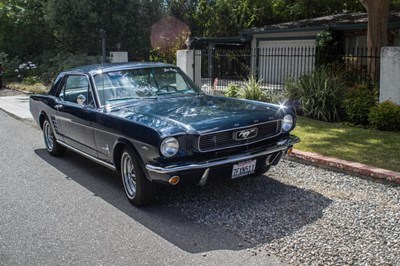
(30,28)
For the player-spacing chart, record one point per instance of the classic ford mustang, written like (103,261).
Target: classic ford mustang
(151,123)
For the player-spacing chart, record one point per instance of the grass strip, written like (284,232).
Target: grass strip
(372,147)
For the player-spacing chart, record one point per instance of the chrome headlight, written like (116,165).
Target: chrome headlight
(287,123)
(169,147)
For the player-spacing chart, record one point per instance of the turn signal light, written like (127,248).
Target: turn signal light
(174,180)
(289,151)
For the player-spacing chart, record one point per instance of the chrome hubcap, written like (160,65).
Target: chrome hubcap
(128,175)
(48,136)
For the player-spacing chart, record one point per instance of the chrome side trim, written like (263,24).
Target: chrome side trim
(208,164)
(90,157)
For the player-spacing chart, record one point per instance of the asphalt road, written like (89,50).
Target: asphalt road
(70,211)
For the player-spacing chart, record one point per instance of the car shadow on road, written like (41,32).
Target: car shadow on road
(187,216)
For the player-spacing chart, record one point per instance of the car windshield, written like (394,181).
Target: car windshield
(117,86)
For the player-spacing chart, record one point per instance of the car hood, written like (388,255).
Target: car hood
(197,114)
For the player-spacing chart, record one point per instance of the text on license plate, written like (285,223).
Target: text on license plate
(243,168)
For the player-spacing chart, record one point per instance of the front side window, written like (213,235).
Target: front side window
(113,87)
(75,87)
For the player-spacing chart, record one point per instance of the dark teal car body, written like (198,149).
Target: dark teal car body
(172,136)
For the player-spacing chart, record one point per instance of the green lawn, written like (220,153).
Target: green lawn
(367,146)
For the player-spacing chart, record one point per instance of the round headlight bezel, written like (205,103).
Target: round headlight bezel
(169,147)
(287,123)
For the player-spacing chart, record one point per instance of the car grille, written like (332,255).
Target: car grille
(225,139)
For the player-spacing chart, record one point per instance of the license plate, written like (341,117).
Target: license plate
(243,168)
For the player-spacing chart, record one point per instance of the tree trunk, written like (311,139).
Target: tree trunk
(378,14)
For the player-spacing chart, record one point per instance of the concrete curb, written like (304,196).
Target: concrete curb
(346,166)
(22,91)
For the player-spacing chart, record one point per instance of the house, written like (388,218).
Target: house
(299,37)
(277,52)
(351,29)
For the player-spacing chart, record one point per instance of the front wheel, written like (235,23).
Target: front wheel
(138,189)
(52,146)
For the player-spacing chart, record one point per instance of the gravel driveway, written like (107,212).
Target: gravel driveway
(304,214)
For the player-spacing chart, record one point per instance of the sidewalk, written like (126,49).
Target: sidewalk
(19,107)
(16,105)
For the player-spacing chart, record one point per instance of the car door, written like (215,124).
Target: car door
(76,111)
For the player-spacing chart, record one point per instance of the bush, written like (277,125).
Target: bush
(31,80)
(9,66)
(53,64)
(320,93)
(358,101)
(252,90)
(385,116)
(232,90)
(35,88)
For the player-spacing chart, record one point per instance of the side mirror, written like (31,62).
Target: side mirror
(81,99)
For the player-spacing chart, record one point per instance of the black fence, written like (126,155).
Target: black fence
(274,66)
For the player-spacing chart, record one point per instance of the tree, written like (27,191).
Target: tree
(76,24)
(184,10)
(23,30)
(303,9)
(378,14)
(221,18)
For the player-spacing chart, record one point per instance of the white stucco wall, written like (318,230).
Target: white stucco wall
(390,75)
(297,35)
(185,60)
(118,57)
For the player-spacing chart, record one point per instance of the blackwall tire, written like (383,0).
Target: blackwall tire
(138,189)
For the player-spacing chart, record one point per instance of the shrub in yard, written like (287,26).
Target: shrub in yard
(320,93)
(358,101)
(54,64)
(31,80)
(232,90)
(252,90)
(385,116)
(34,88)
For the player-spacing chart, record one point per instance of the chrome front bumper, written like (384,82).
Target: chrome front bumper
(282,146)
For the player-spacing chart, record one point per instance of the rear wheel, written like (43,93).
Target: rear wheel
(52,146)
(138,189)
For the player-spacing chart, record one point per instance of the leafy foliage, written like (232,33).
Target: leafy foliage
(24,32)
(232,90)
(358,101)
(251,90)
(34,29)
(34,88)
(385,116)
(320,93)
(63,61)
(31,80)
(77,24)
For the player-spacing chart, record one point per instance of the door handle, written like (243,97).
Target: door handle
(58,106)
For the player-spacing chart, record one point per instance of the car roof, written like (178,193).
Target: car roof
(95,69)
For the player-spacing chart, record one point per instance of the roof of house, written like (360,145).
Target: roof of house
(339,21)
(197,42)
